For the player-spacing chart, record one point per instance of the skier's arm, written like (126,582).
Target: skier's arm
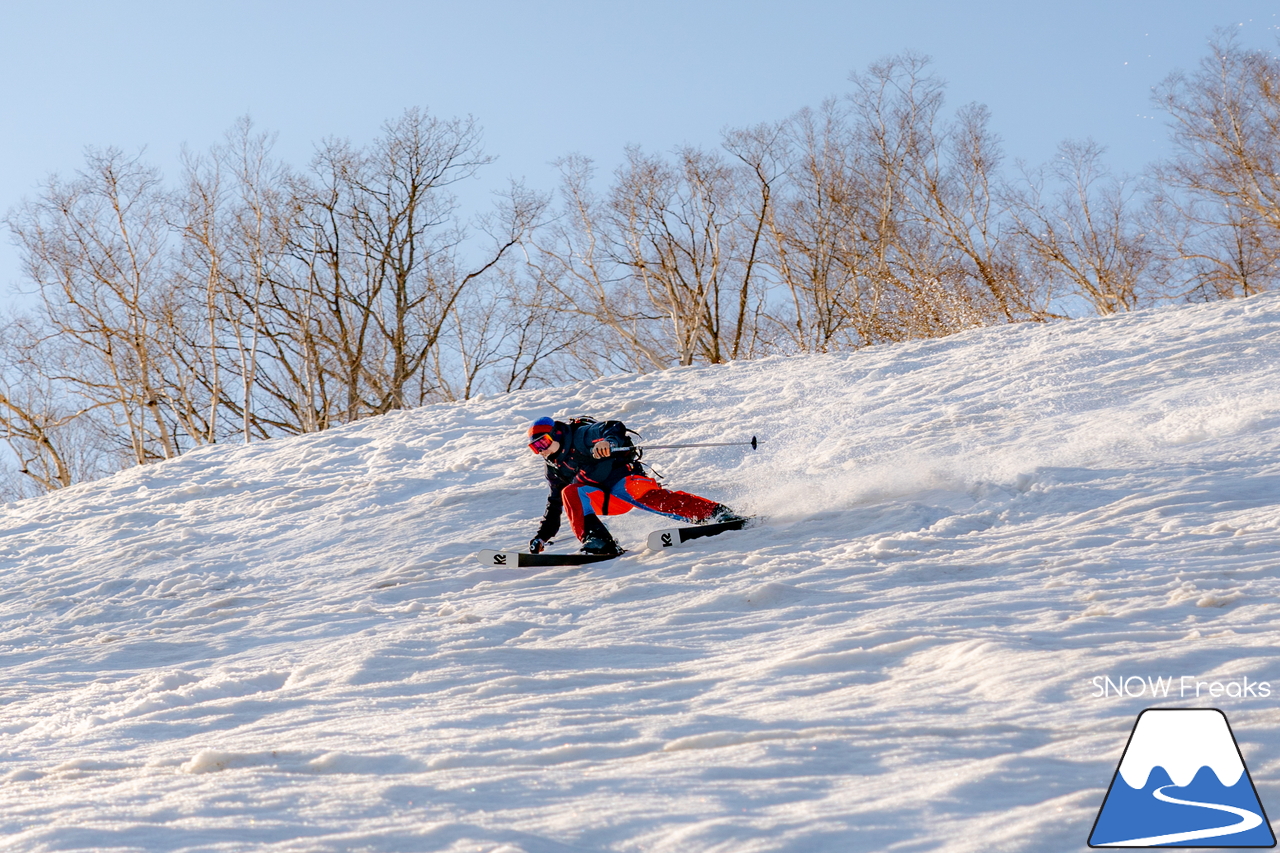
(608,438)
(551,516)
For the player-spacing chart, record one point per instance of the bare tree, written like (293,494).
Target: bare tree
(538,344)
(95,247)
(30,418)
(262,301)
(951,261)
(688,246)
(831,225)
(572,257)
(236,217)
(1083,226)
(1219,200)
(667,264)
(382,259)
(509,335)
(817,229)
(886,220)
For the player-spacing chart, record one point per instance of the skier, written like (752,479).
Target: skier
(593,470)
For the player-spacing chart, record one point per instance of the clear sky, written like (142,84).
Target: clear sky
(547,78)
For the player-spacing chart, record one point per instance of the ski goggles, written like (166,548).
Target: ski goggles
(541,443)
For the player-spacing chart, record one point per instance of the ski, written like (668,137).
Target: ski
(673,536)
(523,559)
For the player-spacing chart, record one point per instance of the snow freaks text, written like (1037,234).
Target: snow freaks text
(1178,687)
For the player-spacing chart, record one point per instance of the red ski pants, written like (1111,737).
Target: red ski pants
(634,490)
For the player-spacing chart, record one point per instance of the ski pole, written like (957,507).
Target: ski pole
(753,443)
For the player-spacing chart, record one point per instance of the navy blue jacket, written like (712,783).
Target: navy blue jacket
(574,463)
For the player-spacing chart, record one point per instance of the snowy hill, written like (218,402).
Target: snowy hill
(969,543)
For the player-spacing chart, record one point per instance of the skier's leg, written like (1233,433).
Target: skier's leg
(575,507)
(645,493)
(580,505)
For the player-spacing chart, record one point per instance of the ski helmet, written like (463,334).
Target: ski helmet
(541,434)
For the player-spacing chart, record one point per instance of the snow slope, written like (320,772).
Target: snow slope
(289,647)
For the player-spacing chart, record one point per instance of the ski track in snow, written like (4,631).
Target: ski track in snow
(289,646)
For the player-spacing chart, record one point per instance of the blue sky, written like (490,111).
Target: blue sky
(548,78)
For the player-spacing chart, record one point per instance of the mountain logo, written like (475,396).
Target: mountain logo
(1181,783)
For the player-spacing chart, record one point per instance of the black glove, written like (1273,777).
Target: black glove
(536,544)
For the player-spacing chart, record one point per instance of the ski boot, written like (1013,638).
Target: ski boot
(596,538)
(721,514)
